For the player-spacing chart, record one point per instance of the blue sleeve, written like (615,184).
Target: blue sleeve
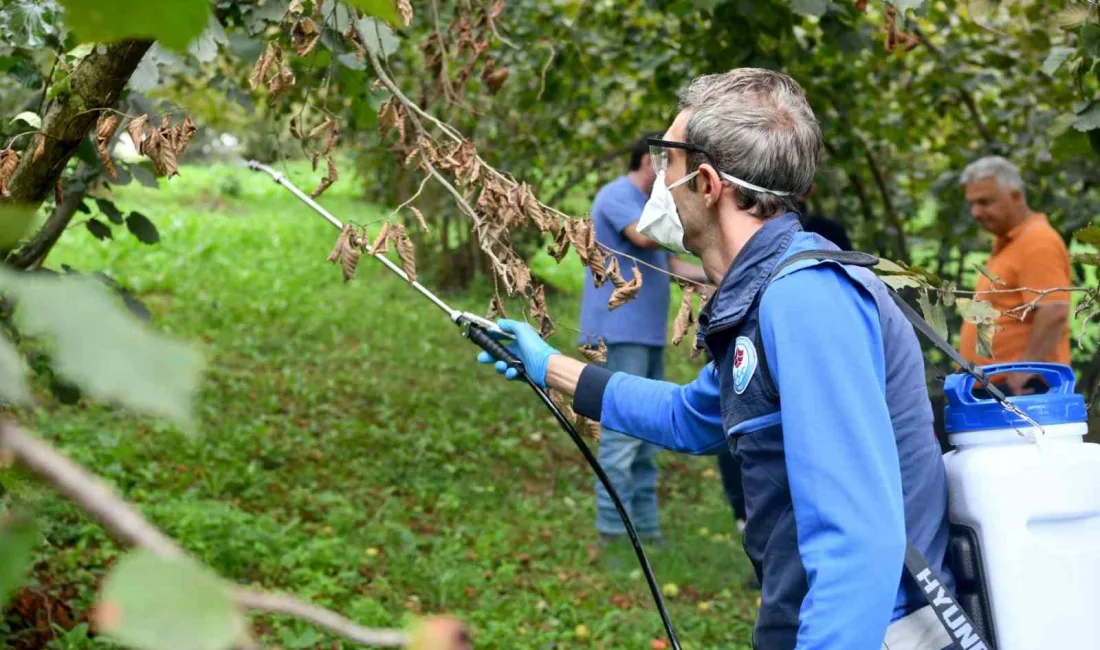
(842,461)
(619,212)
(687,419)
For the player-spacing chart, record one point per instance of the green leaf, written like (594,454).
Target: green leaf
(810,7)
(976,311)
(102,348)
(173,24)
(153,603)
(1088,235)
(205,47)
(30,118)
(13,373)
(18,539)
(378,36)
(985,339)
(1055,59)
(1090,39)
(110,210)
(933,314)
(15,221)
(140,226)
(99,229)
(384,9)
(1089,119)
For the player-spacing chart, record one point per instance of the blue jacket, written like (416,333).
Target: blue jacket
(836,474)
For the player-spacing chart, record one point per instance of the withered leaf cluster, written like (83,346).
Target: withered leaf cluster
(347,251)
(896,38)
(272,71)
(163,145)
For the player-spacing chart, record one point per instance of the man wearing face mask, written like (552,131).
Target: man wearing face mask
(815,379)
(635,335)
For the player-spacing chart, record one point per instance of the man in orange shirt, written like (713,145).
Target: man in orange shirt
(1027,254)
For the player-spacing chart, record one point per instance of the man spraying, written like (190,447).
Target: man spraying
(815,379)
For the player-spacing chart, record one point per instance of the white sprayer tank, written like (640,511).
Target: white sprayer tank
(1032,505)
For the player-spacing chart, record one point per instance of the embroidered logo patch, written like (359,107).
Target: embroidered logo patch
(744,364)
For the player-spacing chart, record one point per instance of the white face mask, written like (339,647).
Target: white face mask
(660,221)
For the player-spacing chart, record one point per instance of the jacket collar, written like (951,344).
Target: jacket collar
(745,277)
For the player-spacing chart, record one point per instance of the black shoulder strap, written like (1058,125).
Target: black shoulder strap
(856,258)
(948,610)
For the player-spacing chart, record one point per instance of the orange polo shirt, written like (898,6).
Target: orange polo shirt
(1032,255)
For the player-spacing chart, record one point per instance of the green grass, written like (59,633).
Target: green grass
(353,453)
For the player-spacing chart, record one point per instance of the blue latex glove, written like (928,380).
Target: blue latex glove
(529,347)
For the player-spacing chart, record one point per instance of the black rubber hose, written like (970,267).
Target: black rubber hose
(490,345)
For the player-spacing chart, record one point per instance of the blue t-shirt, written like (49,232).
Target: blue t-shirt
(644,320)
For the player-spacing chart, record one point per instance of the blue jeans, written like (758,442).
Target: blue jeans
(629,462)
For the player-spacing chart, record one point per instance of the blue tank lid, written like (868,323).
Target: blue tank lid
(1059,405)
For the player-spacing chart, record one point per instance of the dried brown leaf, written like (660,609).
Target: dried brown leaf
(303,39)
(560,247)
(58,192)
(405,250)
(595,354)
(521,276)
(326,181)
(496,9)
(580,233)
(387,115)
(136,129)
(347,251)
(628,291)
(597,264)
(281,82)
(404,7)
(685,318)
(496,307)
(494,78)
(166,150)
(420,218)
(304,35)
(352,34)
(614,273)
(591,428)
(39,147)
(104,130)
(9,160)
(314,158)
(296,7)
(317,11)
(381,241)
(540,313)
(271,54)
(186,134)
(537,214)
(468,170)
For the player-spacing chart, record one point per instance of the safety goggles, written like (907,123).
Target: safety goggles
(658,152)
(658,157)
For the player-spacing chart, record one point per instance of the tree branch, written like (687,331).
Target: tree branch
(96,83)
(34,252)
(127,526)
(887,200)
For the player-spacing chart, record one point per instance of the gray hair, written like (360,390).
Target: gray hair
(757,126)
(1006,173)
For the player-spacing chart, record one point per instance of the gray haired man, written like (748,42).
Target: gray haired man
(842,469)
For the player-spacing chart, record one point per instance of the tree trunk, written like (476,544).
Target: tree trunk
(71,113)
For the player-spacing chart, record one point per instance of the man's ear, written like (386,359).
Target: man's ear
(710,185)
